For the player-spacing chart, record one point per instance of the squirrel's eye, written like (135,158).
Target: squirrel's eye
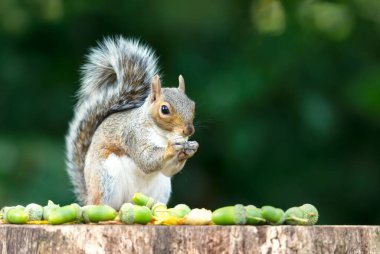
(165,110)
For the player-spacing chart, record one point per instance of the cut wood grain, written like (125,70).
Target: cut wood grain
(188,239)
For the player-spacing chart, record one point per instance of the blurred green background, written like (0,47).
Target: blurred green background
(287,92)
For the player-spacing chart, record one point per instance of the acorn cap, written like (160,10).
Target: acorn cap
(240,215)
(34,211)
(47,209)
(126,213)
(150,203)
(85,215)
(78,210)
(310,213)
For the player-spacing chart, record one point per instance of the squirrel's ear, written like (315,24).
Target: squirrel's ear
(155,88)
(181,85)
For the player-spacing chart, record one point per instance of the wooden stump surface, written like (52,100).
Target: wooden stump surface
(188,239)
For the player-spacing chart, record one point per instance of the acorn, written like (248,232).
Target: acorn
(282,217)
(65,214)
(34,211)
(275,216)
(160,210)
(47,208)
(254,215)
(17,215)
(143,200)
(4,212)
(180,210)
(130,214)
(230,215)
(310,214)
(295,216)
(96,213)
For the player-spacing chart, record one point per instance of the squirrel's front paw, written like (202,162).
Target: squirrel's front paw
(176,154)
(186,149)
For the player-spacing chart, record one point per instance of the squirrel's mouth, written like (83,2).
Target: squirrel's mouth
(184,132)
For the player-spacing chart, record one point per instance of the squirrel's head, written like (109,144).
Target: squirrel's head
(170,108)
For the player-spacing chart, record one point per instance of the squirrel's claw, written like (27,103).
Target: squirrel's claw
(187,149)
(190,152)
(187,145)
(192,145)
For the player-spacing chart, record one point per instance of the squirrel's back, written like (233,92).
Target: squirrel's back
(116,77)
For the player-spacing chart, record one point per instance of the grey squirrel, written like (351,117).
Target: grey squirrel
(128,134)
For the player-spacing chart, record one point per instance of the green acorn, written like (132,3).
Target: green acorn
(295,216)
(34,211)
(4,212)
(311,214)
(47,209)
(160,210)
(96,213)
(65,214)
(17,215)
(282,217)
(254,215)
(230,215)
(130,214)
(142,200)
(275,216)
(180,210)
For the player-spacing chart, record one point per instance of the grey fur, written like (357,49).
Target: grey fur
(116,77)
(183,105)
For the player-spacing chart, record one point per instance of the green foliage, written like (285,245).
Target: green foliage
(287,92)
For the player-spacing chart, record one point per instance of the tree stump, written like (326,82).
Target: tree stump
(188,239)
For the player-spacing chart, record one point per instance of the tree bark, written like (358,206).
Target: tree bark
(188,239)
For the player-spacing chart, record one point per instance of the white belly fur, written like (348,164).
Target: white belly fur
(127,179)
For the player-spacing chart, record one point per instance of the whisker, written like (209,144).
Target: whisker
(202,124)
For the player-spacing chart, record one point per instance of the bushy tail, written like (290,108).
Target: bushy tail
(116,77)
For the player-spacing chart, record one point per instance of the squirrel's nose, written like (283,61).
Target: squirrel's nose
(189,130)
